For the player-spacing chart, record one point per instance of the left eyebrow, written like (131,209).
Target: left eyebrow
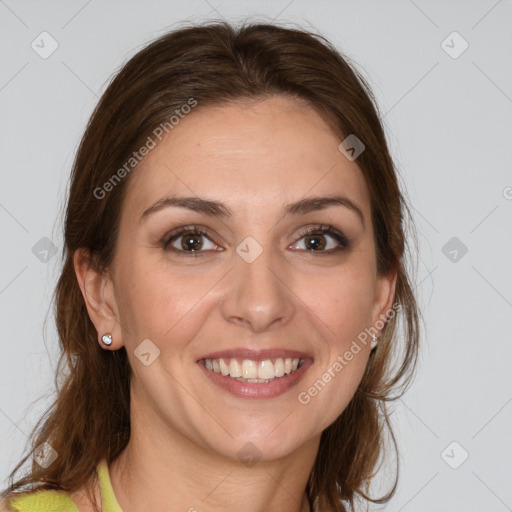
(311,204)
(218,209)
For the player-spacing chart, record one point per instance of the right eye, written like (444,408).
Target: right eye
(189,240)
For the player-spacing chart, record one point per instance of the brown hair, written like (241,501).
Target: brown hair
(213,64)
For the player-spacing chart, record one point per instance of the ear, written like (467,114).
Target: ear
(384,295)
(98,293)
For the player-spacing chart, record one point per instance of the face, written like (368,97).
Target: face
(250,272)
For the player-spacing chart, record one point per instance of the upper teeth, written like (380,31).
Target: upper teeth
(249,369)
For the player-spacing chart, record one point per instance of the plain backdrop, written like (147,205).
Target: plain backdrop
(442,75)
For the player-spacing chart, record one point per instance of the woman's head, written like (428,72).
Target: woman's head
(216,207)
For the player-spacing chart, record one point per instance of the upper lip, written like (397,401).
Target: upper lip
(256,355)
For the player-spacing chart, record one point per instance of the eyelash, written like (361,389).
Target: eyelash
(320,229)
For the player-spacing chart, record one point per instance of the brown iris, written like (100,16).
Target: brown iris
(320,244)
(191,241)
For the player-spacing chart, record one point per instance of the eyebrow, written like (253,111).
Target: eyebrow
(218,209)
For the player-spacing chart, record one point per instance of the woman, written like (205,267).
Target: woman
(233,277)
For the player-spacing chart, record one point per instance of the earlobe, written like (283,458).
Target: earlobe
(96,288)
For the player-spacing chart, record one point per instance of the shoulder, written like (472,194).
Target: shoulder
(51,500)
(38,501)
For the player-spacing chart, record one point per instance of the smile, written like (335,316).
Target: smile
(252,371)
(251,374)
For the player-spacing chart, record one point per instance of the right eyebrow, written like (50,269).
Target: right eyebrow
(197,204)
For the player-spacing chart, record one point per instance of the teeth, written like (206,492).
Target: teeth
(253,380)
(234,368)
(279,367)
(254,371)
(224,368)
(249,369)
(266,369)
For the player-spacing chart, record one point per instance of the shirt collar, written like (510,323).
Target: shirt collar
(108,498)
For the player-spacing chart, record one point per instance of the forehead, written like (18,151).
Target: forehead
(249,154)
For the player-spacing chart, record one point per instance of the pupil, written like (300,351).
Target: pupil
(310,242)
(192,241)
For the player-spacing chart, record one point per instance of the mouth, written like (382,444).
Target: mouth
(255,375)
(249,370)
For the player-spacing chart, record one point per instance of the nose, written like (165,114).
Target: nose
(259,297)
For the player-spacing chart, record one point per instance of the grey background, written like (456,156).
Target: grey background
(449,126)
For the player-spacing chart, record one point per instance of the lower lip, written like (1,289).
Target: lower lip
(271,389)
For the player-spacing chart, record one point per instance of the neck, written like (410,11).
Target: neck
(167,472)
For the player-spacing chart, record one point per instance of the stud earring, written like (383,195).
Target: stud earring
(374,342)
(107,339)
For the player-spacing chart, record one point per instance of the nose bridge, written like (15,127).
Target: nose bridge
(257,295)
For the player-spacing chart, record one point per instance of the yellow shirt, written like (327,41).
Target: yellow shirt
(59,501)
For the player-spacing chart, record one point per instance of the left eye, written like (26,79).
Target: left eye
(317,241)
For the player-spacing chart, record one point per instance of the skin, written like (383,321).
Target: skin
(254,157)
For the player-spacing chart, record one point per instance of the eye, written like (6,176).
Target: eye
(189,239)
(322,239)
(193,240)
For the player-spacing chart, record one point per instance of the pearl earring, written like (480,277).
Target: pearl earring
(374,342)
(107,339)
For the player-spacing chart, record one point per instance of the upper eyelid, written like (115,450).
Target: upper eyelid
(181,231)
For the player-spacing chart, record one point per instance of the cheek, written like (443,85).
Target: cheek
(160,302)
(343,300)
